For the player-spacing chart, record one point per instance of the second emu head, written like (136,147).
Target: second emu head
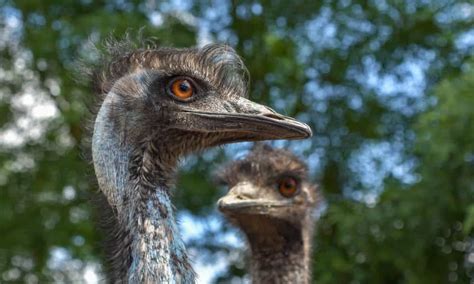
(272,201)
(268,182)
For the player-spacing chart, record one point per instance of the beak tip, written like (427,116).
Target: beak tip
(307,132)
(222,202)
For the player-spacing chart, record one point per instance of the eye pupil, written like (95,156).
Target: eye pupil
(184,86)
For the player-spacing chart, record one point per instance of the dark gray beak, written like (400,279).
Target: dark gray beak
(245,120)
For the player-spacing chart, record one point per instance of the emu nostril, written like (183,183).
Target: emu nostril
(274,116)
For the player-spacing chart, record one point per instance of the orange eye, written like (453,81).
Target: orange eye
(287,187)
(182,88)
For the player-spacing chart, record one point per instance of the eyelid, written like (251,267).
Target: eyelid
(288,175)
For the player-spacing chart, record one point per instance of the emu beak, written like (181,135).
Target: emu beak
(239,196)
(244,120)
(243,197)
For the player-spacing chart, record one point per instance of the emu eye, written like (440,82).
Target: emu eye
(182,88)
(288,187)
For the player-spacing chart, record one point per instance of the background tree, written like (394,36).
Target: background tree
(392,153)
(420,233)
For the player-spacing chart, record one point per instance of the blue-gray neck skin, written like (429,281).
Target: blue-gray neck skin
(147,246)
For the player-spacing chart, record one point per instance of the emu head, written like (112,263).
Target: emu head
(186,100)
(161,104)
(269,192)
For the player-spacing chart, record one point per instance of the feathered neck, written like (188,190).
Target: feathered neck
(147,247)
(280,251)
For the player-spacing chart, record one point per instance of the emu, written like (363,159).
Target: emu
(158,105)
(271,200)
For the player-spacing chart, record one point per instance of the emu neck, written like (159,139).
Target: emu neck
(145,245)
(158,254)
(280,252)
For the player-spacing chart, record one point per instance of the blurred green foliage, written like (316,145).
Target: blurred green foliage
(423,233)
(387,87)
